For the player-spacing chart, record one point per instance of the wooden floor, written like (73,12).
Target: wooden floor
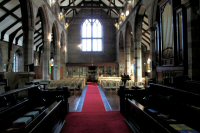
(111,95)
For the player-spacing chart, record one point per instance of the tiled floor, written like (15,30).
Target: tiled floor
(112,97)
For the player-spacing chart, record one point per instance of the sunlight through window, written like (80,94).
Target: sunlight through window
(91,35)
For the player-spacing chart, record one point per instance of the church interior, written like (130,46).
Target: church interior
(96,66)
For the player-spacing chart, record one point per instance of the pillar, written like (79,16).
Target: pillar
(46,58)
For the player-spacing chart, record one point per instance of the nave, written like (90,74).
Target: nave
(144,54)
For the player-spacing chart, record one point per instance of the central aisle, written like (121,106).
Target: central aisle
(93,101)
(94,118)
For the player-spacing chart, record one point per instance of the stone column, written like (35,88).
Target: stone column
(128,61)
(138,59)
(152,54)
(57,61)
(46,59)
(28,48)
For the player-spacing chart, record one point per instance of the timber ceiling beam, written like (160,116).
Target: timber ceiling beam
(37,36)
(90,7)
(37,40)
(38,46)
(38,31)
(9,12)
(9,27)
(4,2)
(17,38)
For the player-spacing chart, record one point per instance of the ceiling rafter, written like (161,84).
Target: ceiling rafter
(39,45)
(9,27)
(12,14)
(121,2)
(37,40)
(62,1)
(37,36)
(111,7)
(145,40)
(38,22)
(4,2)
(9,12)
(15,32)
(92,5)
(148,37)
(145,45)
(74,10)
(18,37)
(38,31)
(144,22)
(145,31)
(70,3)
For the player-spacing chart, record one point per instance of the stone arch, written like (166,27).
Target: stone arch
(142,39)
(44,19)
(46,41)
(39,37)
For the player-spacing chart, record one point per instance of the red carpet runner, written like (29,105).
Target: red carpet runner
(94,118)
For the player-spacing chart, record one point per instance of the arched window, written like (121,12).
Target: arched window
(91,35)
(16,62)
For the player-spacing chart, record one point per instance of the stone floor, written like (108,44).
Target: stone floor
(111,95)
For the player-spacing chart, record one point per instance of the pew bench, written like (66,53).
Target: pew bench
(32,110)
(162,109)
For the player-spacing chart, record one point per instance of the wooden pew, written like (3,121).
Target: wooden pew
(162,109)
(32,110)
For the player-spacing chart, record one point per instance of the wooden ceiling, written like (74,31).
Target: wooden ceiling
(111,7)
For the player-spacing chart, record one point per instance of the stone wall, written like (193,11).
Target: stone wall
(75,55)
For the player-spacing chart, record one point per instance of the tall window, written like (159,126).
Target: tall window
(91,35)
(16,62)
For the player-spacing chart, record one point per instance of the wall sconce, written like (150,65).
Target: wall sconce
(148,65)
(49,37)
(127,13)
(65,49)
(52,2)
(79,46)
(66,25)
(117,26)
(61,16)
